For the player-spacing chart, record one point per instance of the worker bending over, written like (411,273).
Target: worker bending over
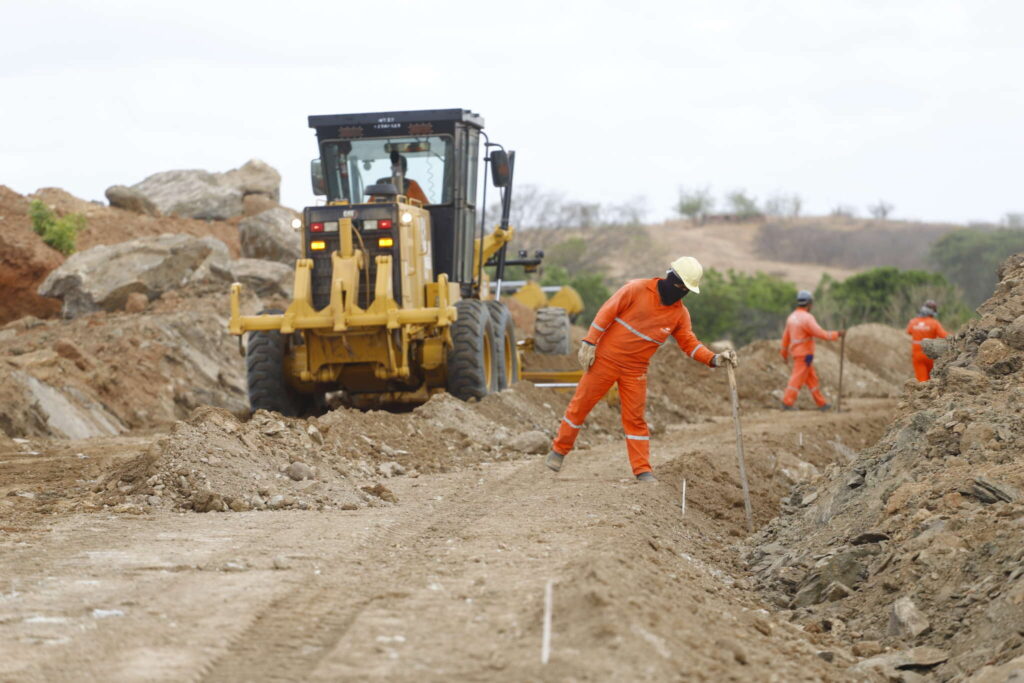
(626,332)
(924,326)
(798,343)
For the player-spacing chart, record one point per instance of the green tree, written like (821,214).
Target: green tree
(58,233)
(971,258)
(887,295)
(740,307)
(695,204)
(743,205)
(591,287)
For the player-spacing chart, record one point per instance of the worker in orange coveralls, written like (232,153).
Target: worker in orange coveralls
(924,326)
(798,343)
(626,332)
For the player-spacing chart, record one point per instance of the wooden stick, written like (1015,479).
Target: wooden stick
(842,357)
(739,445)
(683,504)
(545,646)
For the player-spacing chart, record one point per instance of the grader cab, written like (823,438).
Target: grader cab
(392,301)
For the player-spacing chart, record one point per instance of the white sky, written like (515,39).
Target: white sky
(917,102)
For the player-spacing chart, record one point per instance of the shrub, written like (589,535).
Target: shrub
(58,233)
(970,258)
(887,295)
(740,307)
(742,205)
(695,204)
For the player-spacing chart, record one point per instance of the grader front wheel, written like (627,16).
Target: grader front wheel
(472,361)
(551,332)
(505,333)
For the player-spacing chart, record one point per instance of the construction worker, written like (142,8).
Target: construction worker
(924,326)
(626,332)
(399,167)
(798,343)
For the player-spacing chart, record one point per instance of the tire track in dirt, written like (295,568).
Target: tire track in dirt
(292,635)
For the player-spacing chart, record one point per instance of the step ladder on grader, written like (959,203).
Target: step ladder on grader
(393,300)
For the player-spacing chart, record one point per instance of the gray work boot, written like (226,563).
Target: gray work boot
(554,460)
(646,478)
(825,408)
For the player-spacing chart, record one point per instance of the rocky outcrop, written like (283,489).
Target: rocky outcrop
(201,194)
(101,278)
(269,235)
(265,278)
(131,200)
(192,193)
(255,177)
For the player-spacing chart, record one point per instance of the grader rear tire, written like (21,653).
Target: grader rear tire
(551,332)
(264,374)
(507,352)
(472,360)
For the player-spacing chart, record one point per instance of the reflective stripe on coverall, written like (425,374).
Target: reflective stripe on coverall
(798,342)
(923,327)
(627,330)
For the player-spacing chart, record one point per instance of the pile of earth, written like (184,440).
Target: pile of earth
(215,462)
(107,373)
(913,553)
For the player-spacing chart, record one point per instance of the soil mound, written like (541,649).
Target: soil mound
(916,542)
(215,463)
(106,373)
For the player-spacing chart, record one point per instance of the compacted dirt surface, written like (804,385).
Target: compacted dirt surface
(445,583)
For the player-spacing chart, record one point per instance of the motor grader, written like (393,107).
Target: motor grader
(392,301)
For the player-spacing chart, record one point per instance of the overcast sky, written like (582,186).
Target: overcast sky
(920,103)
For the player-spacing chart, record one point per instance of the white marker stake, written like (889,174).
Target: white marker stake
(683,505)
(545,646)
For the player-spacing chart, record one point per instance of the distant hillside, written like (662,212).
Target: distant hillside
(799,251)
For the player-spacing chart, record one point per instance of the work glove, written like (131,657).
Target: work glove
(586,355)
(726,357)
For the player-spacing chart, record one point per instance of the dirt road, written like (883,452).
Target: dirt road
(446,584)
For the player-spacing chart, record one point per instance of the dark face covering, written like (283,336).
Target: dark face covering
(671,289)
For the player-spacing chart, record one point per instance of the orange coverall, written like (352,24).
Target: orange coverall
(923,327)
(798,342)
(627,330)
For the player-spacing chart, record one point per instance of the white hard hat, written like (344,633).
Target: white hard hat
(689,271)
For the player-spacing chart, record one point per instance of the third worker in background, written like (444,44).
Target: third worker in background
(924,326)
(798,343)
(629,328)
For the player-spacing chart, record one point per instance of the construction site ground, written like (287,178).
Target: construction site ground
(446,583)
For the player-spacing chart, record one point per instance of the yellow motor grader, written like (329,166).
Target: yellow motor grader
(393,301)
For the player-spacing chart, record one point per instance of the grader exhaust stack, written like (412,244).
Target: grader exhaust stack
(392,301)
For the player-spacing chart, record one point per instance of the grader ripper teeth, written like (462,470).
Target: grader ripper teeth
(392,300)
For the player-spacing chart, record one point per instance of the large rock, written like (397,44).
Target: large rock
(254,177)
(200,194)
(101,278)
(269,235)
(906,620)
(265,278)
(192,193)
(131,200)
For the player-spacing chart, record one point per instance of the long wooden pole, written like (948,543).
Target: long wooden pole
(842,358)
(739,445)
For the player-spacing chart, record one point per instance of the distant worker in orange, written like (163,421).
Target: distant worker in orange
(629,328)
(924,326)
(798,343)
(412,189)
